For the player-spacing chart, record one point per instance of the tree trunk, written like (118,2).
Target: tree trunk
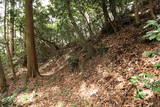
(151,8)
(11,43)
(32,65)
(106,16)
(7,42)
(3,84)
(113,9)
(136,10)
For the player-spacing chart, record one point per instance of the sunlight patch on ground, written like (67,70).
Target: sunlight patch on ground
(25,98)
(60,104)
(52,66)
(87,91)
(149,93)
(38,97)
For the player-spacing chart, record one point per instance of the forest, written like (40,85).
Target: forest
(79,53)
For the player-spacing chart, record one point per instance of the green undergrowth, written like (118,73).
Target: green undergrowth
(9,100)
(150,54)
(145,81)
(154,34)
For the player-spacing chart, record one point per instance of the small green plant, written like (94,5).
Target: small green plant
(108,70)
(134,79)
(157,65)
(74,105)
(9,100)
(156,86)
(155,33)
(150,53)
(143,78)
(73,61)
(139,93)
(146,75)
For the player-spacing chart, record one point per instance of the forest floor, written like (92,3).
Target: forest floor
(103,81)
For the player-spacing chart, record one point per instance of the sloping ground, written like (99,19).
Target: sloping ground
(93,86)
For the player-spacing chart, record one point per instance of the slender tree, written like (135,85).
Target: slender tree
(7,42)
(136,10)
(32,65)
(106,15)
(151,8)
(11,43)
(3,83)
(112,4)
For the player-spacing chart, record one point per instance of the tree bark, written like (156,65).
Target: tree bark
(151,8)
(136,10)
(32,65)
(12,2)
(113,9)
(106,15)
(3,84)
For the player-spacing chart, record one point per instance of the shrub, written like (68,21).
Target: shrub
(73,61)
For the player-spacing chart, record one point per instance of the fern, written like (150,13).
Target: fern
(155,33)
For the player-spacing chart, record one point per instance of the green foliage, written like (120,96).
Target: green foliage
(141,78)
(150,53)
(8,101)
(156,86)
(74,105)
(146,75)
(134,79)
(73,61)
(155,33)
(108,70)
(140,94)
(157,65)
(144,78)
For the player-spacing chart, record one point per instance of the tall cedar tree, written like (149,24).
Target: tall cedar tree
(32,65)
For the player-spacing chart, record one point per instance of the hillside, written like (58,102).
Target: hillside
(103,81)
